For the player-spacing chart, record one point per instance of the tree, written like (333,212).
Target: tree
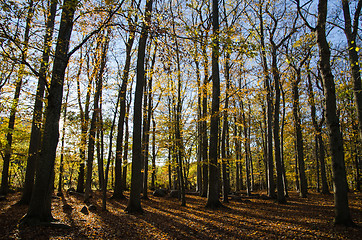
(40,204)
(213,185)
(9,136)
(122,99)
(35,137)
(61,163)
(102,47)
(319,139)
(269,99)
(350,30)
(134,202)
(342,213)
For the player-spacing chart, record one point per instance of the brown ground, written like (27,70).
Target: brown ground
(164,218)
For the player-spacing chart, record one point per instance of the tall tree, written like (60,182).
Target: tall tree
(18,83)
(351,31)
(61,162)
(122,111)
(269,100)
(103,41)
(319,139)
(35,136)
(134,203)
(147,123)
(213,185)
(342,213)
(40,204)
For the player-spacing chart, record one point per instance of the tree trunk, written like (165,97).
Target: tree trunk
(40,204)
(134,203)
(319,140)
(342,214)
(93,127)
(35,135)
(285,182)
(225,132)
(125,151)
(247,154)
(118,190)
(84,116)
(204,138)
(199,132)
(269,139)
(213,186)
(153,172)
(303,187)
(9,136)
(147,125)
(100,149)
(60,184)
(276,76)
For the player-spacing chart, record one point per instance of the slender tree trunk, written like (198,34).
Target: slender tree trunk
(19,81)
(95,116)
(303,187)
(237,158)
(40,204)
(153,172)
(35,135)
(269,141)
(204,138)
(319,140)
(60,184)
(105,180)
(213,186)
(247,154)
(100,148)
(275,70)
(318,188)
(199,123)
(84,116)
(118,190)
(147,126)
(134,203)
(285,182)
(125,151)
(225,132)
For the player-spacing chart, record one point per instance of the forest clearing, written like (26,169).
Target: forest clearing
(253,217)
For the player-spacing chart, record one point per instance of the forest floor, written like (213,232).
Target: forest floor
(244,217)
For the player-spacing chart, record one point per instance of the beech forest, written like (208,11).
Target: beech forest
(180,119)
